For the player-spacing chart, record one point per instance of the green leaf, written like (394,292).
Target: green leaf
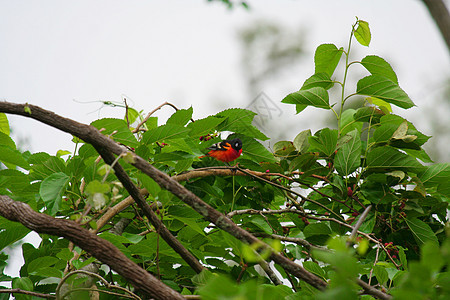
(240,121)
(4,124)
(163,133)
(325,141)
(52,190)
(385,107)
(12,157)
(119,127)
(385,89)
(381,274)
(96,186)
(283,148)
(23,283)
(41,262)
(422,232)
(316,96)
(431,256)
(45,165)
(362,33)
(6,141)
(301,142)
(314,267)
(348,123)
(392,159)
(204,126)
(435,174)
(378,66)
(326,58)
(348,157)
(254,150)
(322,80)
(316,229)
(11,232)
(14,180)
(180,117)
(368,114)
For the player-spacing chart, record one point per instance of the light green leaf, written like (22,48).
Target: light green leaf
(326,58)
(316,96)
(52,190)
(301,142)
(383,105)
(362,33)
(348,157)
(4,124)
(422,232)
(385,89)
(96,186)
(378,66)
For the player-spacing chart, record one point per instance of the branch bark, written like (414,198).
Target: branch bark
(441,17)
(96,246)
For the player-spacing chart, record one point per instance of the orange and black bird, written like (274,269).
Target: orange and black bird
(226,150)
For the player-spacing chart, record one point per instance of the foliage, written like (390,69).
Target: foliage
(314,192)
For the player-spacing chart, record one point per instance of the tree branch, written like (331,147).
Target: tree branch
(99,248)
(441,17)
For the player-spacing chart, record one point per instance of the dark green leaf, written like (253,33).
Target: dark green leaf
(122,133)
(324,141)
(348,157)
(11,232)
(322,80)
(422,232)
(12,157)
(378,66)
(381,274)
(316,96)
(385,89)
(5,140)
(316,229)
(348,123)
(368,114)
(435,174)
(392,159)
(180,117)
(239,121)
(204,126)
(163,133)
(326,58)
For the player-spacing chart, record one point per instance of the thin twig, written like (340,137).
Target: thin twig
(357,225)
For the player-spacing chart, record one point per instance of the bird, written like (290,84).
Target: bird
(226,150)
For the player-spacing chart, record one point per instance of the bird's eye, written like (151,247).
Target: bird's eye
(236,145)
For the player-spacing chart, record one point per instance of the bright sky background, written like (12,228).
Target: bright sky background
(56,54)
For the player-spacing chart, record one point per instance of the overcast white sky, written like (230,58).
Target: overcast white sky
(53,52)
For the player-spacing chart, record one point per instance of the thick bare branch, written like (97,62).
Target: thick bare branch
(97,247)
(441,16)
